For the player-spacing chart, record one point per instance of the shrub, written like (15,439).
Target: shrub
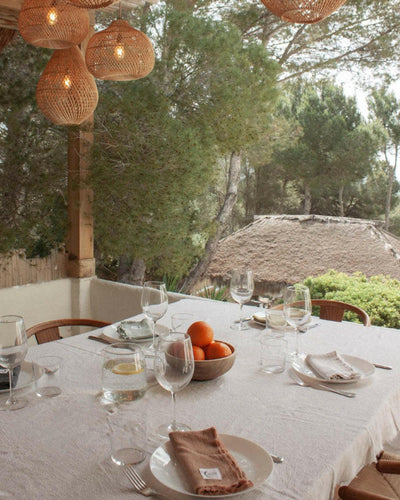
(214,292)
(379,296)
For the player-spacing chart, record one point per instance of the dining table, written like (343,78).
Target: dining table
(59,448)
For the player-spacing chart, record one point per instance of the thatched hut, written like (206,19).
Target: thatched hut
(285,249)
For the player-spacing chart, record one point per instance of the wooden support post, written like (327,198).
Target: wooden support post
(81,262)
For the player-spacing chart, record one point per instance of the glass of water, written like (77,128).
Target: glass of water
(124,372)
(297,310)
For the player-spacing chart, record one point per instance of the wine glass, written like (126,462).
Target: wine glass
(297,310)
(154,303)
(13,349)
(241,287)
(173,369)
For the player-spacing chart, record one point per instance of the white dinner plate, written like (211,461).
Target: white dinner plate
(25,377)
(251,458)
(363,367)
(111,331)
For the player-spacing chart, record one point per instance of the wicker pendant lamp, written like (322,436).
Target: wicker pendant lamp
(91,4)
(302,11)
(119,53)
(53,24)
(66,92)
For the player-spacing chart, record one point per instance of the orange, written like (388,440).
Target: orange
(201,333)
(217,350)
(176,349)
(198,353)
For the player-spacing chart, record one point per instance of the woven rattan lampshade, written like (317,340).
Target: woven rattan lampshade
(66,92)
(54,24)
(302,11)
(119,53)
(92,4)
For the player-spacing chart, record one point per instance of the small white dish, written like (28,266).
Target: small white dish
(252,459)
(25,377)
(363,367)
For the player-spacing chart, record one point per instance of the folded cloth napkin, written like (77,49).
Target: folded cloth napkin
(208,465)
(331,366)
(130,330)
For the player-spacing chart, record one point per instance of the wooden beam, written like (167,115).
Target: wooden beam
(81,262)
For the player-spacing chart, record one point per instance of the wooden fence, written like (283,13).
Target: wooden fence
(16,269)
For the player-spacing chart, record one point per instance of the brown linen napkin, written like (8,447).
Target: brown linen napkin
(208,465)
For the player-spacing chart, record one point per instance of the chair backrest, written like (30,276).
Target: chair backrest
(334,310)
(49,330)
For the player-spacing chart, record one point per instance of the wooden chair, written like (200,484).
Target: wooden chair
(376,481)
(334,310)
(49,330)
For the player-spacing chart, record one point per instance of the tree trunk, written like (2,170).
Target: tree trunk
(307,200)
(131,271)
(390,180)
(341,206)
(222,219)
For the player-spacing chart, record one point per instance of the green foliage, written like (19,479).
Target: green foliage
(33,212)
(160,139)
(214,292)
(171,282)
(379,296)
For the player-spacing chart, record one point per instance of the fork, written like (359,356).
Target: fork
(139,484)
(317,385)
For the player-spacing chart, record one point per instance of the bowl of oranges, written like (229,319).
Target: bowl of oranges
(212,358)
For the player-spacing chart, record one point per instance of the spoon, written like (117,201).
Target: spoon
(317,385)
(276,459)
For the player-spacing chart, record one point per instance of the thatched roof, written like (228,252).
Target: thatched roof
(285,249)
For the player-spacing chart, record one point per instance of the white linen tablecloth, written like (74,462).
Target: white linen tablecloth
(58,448)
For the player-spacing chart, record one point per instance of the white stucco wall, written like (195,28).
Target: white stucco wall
(111,301)
(73,298)
(37,302)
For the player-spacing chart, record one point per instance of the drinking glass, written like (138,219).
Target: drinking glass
(297,310)
(241,287)
(124,372)
(173,369)
(13,349)
(154,303)
(180,322)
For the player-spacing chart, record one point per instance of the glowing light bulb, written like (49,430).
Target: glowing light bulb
(119,52)
(52,16)
(67,82)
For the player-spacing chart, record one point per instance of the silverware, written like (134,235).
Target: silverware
(243,320)
(103,339)
(276,459)
(139,484)
(383,367)
(304,329)
(319,385)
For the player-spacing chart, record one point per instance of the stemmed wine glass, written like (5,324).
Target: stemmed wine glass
(241,287)
(154,303)
(13,349)
(173,369)
(297,310)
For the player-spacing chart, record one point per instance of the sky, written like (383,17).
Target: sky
(352,87)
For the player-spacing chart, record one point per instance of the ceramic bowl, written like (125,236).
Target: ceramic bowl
(209,369)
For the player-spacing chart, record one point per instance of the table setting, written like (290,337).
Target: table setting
(262,419)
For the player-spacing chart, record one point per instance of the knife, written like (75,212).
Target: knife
(102,338)
(384,367)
